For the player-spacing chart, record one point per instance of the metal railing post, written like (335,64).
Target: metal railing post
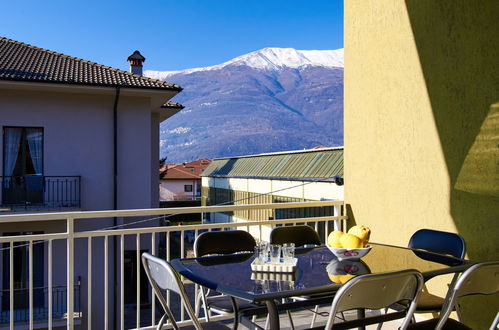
(11,284)
(70,272)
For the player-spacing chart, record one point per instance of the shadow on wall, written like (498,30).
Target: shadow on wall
(458,47)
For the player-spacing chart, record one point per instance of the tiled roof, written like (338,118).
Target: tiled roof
(191,170)
(174,105)
(314,164)
(23,62)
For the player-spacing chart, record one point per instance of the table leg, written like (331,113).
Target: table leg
(273,314)
(361,314)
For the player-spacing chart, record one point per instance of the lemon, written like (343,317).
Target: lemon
(335,278)
(362,232)
(350,241)
(333,239)
(345,278)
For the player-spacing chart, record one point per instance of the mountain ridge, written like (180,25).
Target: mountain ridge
(268,58)
(241,109)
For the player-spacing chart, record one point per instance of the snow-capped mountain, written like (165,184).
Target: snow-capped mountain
(269,59)
(265,101)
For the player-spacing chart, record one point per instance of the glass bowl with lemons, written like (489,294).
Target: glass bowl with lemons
(351,245)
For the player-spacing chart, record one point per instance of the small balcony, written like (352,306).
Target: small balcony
(38,192)
(41,311)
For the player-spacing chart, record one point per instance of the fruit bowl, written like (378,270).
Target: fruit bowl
(349,254)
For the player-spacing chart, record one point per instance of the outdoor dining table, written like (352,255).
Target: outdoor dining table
(232,275)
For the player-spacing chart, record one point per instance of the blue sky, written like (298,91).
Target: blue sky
(172,35)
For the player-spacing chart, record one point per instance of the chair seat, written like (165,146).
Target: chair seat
(431,324)
(208,326)
(224,304)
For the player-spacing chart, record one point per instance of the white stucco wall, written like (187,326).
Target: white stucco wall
(295,189)
(78,141)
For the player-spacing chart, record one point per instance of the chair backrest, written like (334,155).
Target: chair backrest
(375,291)
(438,241)
(161,275)
(300,235)
(482,278)
(224,242)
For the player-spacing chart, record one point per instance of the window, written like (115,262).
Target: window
(188,188)
(22,165)
(22,151)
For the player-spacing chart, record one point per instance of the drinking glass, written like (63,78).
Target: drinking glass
(288,252)
(275,253)
(261,254)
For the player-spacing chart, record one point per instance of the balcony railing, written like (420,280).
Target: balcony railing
(40,308)
(109,259)
(38,192)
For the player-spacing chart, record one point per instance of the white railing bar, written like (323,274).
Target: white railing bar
(167,249)
(147,230)
(138,264)
(182,248)
(11,293)
(70,273)
(153,297)
(196,286)
(106,284)
(161,211)
(35,237)
(112,232)
(122,282)
(30,287)
(49,275)
(89,284)
(343,213)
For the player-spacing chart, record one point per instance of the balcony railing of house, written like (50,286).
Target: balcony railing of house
(115,292)
(38,192)
(40,308)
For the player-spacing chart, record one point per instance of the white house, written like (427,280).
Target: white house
(180,182)
(76,135)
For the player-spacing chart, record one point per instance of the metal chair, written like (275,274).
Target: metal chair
(162,276)
(439,242)
(219,243)
(301,235)
(481,278)
(376,291)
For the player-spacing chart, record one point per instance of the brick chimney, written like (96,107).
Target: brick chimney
(136,60)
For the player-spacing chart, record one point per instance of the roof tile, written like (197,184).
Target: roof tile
(23,62)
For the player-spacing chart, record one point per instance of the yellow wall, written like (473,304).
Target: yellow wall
(422,124)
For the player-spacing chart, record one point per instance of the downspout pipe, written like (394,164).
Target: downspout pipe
(115,198)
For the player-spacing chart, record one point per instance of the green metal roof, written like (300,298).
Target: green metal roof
(311,164)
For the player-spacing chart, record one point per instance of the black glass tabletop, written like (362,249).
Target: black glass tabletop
(317,271)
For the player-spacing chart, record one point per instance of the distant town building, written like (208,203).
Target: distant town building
(305,175)
(182,181)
